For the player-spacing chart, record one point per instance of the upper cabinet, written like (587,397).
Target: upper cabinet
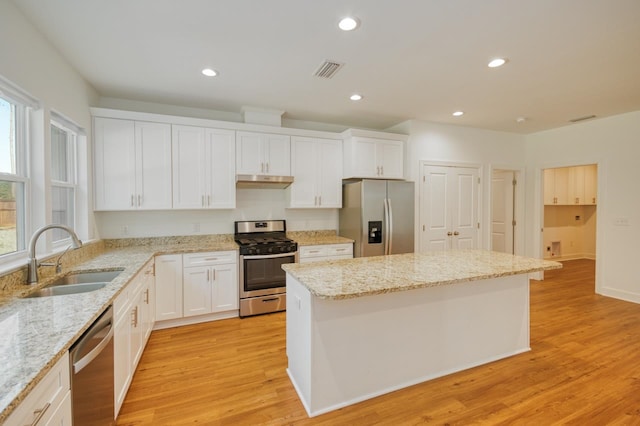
(132,165)
(571,185)
(263,154)
(369,157)
(317,170)
(203,168)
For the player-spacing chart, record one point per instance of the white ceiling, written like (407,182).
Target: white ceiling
(421,59)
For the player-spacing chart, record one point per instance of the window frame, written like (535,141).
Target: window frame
(72,174)
(21,175)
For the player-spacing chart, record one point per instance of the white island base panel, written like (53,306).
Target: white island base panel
(343,351)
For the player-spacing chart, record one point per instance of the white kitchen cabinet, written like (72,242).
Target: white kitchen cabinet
(556,186)
(132,165)
(318,253)
(133,312)
(168,287)
(263,154)
(366,157)
(591,184)
(210,282)
(203,168)
(317,171)
(50,400)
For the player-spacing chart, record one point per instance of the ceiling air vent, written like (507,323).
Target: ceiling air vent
(586,117)
(328,69)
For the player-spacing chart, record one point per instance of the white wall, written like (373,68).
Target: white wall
(442,143)
(30,62)
(614,144)
(251,204)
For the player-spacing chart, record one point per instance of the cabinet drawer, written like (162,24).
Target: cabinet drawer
(340,250)
(47,396)
(312,251)
(209,258)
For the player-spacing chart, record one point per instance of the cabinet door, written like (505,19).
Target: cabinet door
(153,166)
(147,307)
(561,185)
(302,192)
(137,329)
(390,158)
(591,184)
(329,174)
(249,154)
(197,290)
(549,187)
(363,158)
(121,361)
(576,185)
(225,288)
(278,155)
(221,170)
(168,287)
(115,167)
(189,172)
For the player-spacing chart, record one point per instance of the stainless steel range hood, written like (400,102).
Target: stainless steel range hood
(262,181)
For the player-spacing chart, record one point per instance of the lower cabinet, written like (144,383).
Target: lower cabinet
(318,253)
(49,403)
(134,311)
(194,284)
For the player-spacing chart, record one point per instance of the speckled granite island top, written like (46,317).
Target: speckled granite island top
(364,276)
(317,238)
(36,332)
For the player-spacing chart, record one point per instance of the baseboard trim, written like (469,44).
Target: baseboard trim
(179,322)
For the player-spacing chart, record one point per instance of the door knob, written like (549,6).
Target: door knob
(456,233)
(449,234)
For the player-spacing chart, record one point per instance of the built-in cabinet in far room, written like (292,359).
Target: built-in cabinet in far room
(203,163)
(132,165)
(570,212)
(263,154)
(316,165)
(571,185)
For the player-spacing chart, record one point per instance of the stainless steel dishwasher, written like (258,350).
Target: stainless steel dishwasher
(91,358)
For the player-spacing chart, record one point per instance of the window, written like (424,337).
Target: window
(63,179)
(13,177)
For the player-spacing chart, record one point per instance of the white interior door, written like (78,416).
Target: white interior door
(448,208)
(502,211)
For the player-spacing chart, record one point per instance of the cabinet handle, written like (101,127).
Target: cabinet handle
(267,167)
(146,297)
(208,200)
(456,233)
(39,413)
(577,200)
(319,200)
(381,170)
(134,317)
(262,167)
(202,202)
(449,234)
(594,200)
(208,275)
(139,200)
(131,200)
(214,275)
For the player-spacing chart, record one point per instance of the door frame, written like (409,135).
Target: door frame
(519,216)
(538,217)
(418,217)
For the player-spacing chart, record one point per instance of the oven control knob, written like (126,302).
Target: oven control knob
(283,249)
(270,250)
(252,250)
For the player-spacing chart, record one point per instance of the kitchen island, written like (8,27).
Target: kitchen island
(364,327)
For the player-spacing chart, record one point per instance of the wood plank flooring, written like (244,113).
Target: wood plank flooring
(583,369)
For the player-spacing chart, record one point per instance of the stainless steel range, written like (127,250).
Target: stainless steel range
(264,248)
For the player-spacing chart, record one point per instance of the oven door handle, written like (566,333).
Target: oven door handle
(269,256)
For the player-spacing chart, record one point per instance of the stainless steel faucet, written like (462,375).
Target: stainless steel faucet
(32,271)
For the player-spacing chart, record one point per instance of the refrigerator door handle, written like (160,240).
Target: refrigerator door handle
(386,226)
(390,226)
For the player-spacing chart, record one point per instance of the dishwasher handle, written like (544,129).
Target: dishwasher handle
(104,323)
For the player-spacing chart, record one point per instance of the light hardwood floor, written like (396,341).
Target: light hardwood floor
(583,369)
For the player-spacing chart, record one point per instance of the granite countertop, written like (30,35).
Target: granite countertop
(36,332)
(316,238)
(364,276)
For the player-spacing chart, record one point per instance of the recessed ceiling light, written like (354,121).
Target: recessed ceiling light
(209,72)
(355,97)
(498,62)
(348,24)
(458,113)
(521,120)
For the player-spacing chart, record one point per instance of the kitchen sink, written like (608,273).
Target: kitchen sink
(74,283)
(60,290)
(86,277)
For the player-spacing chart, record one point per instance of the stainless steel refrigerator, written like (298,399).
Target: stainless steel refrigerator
(378,215)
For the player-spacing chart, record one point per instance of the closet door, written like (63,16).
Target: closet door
(448,208)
